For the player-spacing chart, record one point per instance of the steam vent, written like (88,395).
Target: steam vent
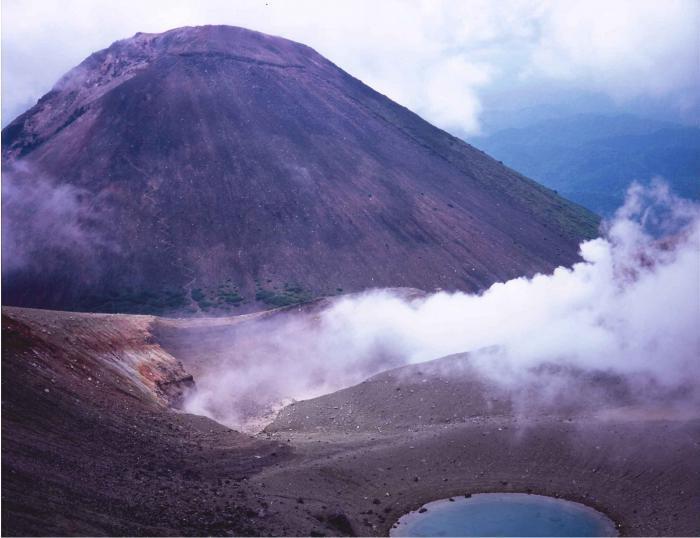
(245,294)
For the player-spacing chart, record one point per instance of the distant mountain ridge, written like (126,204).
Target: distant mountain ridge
(592,158)
(208,168)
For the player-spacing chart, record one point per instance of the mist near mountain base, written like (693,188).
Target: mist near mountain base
(45,219)
(631,308)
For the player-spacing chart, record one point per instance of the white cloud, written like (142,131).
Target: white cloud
(626,48)
(631,308)
(436,57)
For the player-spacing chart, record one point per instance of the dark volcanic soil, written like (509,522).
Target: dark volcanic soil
(91,446)
(212,168)
(436,430)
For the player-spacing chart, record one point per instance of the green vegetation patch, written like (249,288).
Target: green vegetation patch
(290,295)
(222,296)
(140,301)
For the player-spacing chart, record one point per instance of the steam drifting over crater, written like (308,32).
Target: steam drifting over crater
(631,308)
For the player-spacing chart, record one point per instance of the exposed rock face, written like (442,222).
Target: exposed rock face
(90,446)
(207,164)
(117,355)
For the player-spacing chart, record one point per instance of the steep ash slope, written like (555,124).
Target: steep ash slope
(215,166)
(90,446)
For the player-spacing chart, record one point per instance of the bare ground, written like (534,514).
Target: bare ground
(91,445)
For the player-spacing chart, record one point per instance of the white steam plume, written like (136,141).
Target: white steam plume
(632,308)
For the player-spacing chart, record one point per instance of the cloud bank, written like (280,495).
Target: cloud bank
(630,308)
(438,58)
(44,220)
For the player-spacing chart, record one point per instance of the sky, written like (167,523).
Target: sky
(453,62)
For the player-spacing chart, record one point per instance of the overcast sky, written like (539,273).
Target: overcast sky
(442,59)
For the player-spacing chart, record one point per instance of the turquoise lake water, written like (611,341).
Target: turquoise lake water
(505,514)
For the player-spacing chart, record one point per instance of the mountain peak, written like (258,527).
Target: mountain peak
(237,42)
(108,68)
(219,165)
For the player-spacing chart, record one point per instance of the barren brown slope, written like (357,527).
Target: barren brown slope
(440,429)
(90,447)
(207,164)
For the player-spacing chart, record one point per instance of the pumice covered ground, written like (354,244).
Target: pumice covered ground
(94,443)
